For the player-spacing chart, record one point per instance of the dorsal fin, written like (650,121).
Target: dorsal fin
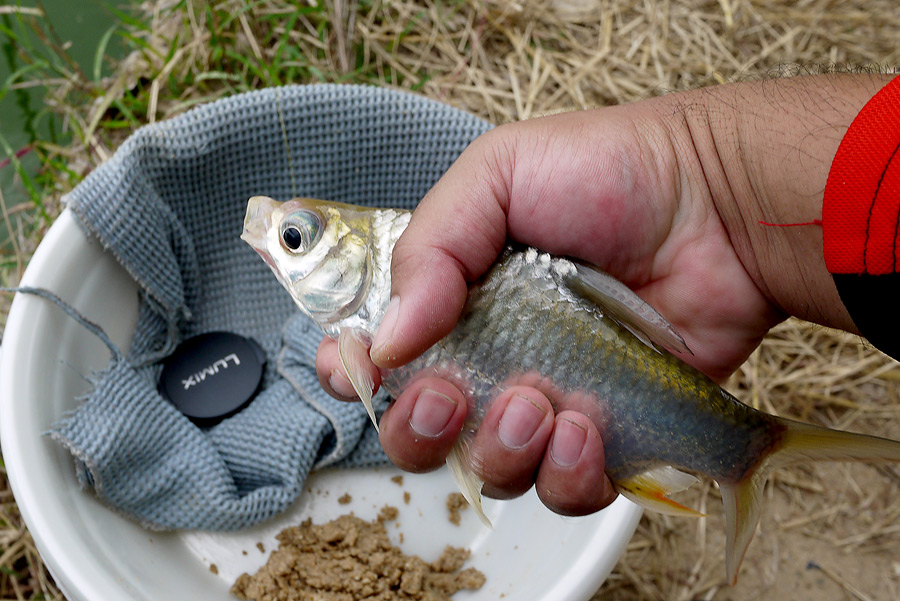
(620,303)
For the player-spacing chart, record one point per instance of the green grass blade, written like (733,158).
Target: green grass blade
(33,194)
(127,20)
(101,52)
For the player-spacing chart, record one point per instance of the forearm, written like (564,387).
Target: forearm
(763,151)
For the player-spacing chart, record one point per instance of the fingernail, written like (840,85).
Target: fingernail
(431,413)
(386,329)
(519,422)
(341,384)
(567,442)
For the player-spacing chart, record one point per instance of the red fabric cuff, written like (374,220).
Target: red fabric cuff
(862,196)
(861,220)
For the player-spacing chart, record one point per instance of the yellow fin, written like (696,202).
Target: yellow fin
(466,481)
(354,356)
(799,443)
(743,501)
(651,489)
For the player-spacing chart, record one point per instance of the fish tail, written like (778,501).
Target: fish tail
(798,443)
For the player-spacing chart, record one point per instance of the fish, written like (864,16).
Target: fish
(573,331)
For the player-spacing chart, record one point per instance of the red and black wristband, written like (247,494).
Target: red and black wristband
(861,220)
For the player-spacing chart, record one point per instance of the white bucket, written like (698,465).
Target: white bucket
(97,555)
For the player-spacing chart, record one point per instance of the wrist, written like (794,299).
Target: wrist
(764,150)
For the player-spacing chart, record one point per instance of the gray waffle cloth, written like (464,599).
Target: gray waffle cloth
(169,205)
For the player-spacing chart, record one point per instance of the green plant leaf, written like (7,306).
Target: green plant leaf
(101,52)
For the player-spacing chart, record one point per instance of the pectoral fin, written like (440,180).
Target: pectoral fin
(651,489)
(621,304)
(468,483)
(355,357)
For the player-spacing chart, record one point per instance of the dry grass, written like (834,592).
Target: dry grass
(22,574)
(829,532)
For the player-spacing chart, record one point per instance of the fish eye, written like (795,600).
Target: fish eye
(300,231)
(292,237)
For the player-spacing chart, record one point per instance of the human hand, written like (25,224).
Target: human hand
(650,193)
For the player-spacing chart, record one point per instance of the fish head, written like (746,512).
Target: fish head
(320,251)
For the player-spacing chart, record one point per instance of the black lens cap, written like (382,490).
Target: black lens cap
(212,376)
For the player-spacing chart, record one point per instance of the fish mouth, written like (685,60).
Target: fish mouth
(257,221)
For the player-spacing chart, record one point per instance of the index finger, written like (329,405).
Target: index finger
(455,234)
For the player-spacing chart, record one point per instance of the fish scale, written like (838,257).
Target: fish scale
(581,337)
(572,345)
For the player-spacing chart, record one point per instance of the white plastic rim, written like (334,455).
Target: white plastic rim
(96,554)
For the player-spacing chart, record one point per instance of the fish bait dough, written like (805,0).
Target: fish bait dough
(350,559)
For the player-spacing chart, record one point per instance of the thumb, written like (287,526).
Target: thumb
(453,237)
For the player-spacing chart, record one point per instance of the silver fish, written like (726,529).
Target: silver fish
(583,338)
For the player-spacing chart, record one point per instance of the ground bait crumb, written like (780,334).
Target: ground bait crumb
(398,480)
(345,499)
(387,514)
(349,559)
(455,504)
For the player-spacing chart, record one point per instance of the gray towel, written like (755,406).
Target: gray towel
(169,205)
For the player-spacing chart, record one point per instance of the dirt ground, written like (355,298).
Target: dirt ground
(825,535)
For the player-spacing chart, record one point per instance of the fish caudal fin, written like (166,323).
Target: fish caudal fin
(799,443)
(354,355)
(742,504)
